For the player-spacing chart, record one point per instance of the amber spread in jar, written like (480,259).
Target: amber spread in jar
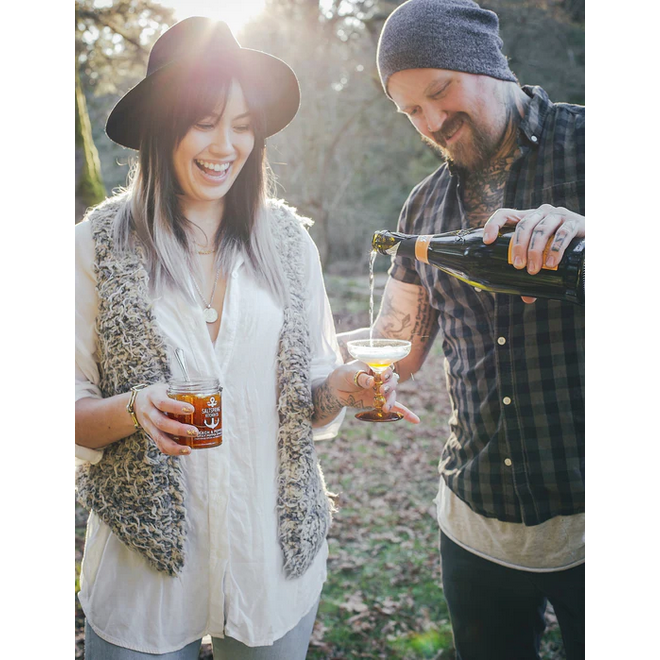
(205,396)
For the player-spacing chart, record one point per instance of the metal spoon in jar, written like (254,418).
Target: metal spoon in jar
(178,352)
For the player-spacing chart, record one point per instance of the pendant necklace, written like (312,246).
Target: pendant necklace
(203,251)
(210,313)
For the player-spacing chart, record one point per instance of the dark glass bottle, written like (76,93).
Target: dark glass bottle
(464,255)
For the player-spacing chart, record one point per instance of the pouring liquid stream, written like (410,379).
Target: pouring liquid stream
(372,258)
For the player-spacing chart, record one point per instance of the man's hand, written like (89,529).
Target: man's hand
(534,229)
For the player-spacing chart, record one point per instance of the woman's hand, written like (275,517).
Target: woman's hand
(355,385)
(150,406)
(534,229)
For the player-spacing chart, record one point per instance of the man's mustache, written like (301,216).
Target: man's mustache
(448,128)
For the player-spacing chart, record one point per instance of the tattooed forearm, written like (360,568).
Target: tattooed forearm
(424,327)
(417,324)
(393,322)
(328,403)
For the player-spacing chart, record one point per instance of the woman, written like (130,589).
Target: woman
(228,541)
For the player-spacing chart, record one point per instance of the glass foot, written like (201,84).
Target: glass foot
(379,416)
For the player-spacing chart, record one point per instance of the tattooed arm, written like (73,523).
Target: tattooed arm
(405,313)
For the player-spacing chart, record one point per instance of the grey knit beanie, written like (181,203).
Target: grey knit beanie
(442,34)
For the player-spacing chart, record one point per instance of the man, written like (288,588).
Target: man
(511,497)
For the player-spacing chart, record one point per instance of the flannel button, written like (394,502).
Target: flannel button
(534,138)
(506,400)
(507,462)
(501,341)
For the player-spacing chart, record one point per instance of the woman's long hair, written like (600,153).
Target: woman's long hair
(152,209)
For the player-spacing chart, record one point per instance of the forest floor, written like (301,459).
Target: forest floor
(383,597)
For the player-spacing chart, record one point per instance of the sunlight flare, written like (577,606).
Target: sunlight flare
(236,13)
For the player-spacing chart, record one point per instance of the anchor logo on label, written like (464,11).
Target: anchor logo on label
(214,422)
(212,402)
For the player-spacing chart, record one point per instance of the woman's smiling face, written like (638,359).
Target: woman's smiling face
(214,150)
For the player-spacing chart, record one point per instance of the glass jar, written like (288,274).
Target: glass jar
(205,396)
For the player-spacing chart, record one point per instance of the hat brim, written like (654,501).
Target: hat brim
(277,84)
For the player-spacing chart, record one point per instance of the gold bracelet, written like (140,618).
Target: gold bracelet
(129,408)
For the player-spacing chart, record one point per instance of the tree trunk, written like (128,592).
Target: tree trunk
(89,183)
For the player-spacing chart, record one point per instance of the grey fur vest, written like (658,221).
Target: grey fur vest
(137,490)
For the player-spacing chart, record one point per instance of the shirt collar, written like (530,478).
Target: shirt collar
(538,108)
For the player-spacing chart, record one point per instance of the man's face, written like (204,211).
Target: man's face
(461,113)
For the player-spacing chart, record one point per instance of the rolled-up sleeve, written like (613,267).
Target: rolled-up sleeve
(403,268)
(326,356)
(87,371)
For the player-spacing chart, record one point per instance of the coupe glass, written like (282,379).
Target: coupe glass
(379,354)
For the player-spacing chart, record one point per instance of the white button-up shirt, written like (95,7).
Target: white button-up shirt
(232,582)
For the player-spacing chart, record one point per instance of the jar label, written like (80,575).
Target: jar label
(208,418)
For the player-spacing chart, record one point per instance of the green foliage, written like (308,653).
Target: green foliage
(113,41)
(89,185)
(112,48)
(544,44)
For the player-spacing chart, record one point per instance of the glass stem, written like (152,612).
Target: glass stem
(379,399)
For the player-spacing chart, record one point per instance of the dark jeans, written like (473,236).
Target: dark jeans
(497,612)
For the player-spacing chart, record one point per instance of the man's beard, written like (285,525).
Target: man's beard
(473,150)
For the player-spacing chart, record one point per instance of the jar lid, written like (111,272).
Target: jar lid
(194,385)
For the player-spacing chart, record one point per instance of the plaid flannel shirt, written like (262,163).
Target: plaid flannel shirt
(514,372)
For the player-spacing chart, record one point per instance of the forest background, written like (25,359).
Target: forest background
(348,161)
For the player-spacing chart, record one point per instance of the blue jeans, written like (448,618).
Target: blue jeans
(497,613)
(293,646)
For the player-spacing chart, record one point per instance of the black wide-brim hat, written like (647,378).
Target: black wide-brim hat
(198,40)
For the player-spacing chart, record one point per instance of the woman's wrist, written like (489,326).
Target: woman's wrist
(325,398)
(130,406)
(100,422)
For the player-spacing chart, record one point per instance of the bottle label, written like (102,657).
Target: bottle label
(422,248)
(545,254)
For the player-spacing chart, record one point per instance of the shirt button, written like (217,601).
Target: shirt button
(507,462)
(534,138)
(506,400)
(477,289)
(501,341)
